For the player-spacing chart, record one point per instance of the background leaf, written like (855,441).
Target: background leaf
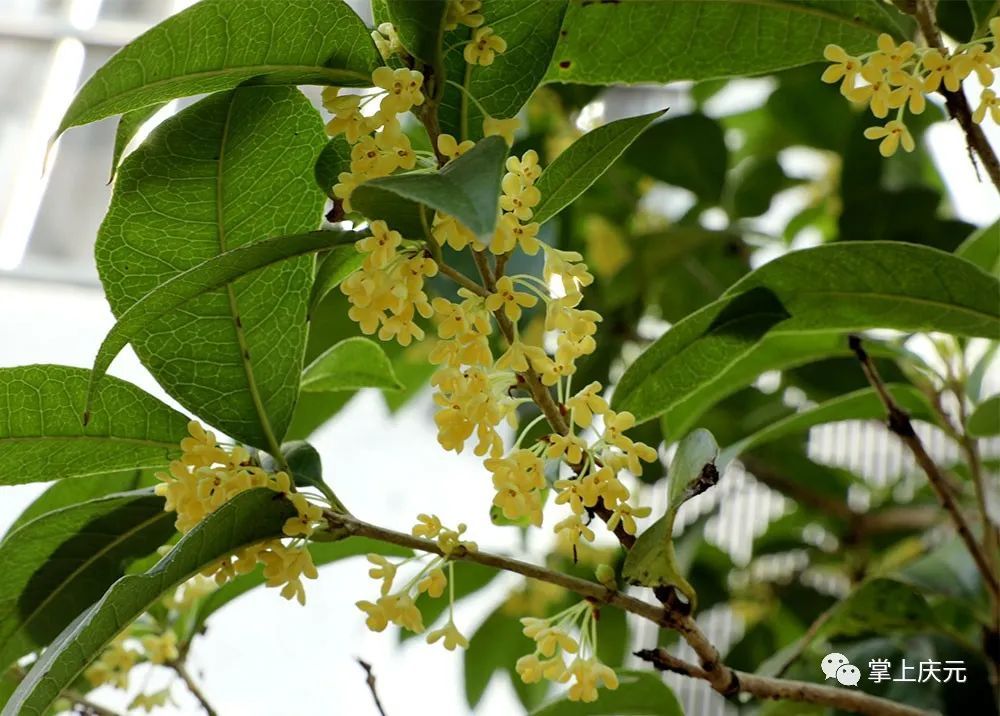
(467,188)
(59,564)
(128,125)
(352,364)
(216,45)
(420,27)
(577,168)
(985,421)
(249,517)
(42,436)
(233,169)
(983,248)
(777,315)
(599,40)
(337,265)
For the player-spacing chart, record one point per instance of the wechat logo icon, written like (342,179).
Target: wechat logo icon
(836,666)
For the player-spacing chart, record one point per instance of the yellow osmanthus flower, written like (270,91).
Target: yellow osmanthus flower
(463,12)
(519,480)
(845,68)
(988,102)
(943,69)
(494,127)
(150,702)
(113,665)
(403,89)
(554,641)
(160,648)
(452,637)
(484,46)
(387,40)
(451,147)
(509,299)
(892,135)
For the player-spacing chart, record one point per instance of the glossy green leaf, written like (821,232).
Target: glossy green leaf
(577,168)
(862,404)
(337,265)
(599,40)
(58,565)
(784,312)
(217,44)
(322,553)
(42,436)
(66,493)
(467,188)
(334,159)
(248,518)
(531,30)
(352,364)
(420,27)
(639,693)
(232,170)
(985,421)
(128,126)
(218,272)
(688,151)
(983,248)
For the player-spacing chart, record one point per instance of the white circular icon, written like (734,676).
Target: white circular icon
(832,662)
(848,675)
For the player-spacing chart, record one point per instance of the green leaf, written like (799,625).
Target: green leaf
(639,693)
(599,40)
(420,27)
(220,271)
(577,168)
(467,188)
(340,263)
(334,159)
(248,518)
(985,420)
(983,248)
(58,565)
(797,305)
(233,169)
(688,151)
(42,436)
(128,125)
(862,404)
(66,493)
(496,643)
(218,44)
(758,179)
(531,31)
(351,364)
(878,606)
(322,553)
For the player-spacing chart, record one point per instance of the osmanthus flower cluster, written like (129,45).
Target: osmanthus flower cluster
(480,49)
(398,606)
(897,78)
(206,476)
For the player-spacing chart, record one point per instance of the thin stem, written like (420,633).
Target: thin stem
(958,104)
(370,680)
(899,423)
(764,687)
(461,279)
(181,670)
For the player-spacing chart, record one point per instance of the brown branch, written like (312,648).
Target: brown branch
(182,672)
(370,680)
(899,423)
(764,687)
(957,103)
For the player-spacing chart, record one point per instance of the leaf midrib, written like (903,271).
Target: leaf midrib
(84,565)
(98,108)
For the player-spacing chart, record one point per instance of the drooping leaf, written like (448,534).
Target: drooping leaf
(58,565)
(42,436)
(860,405)
(66,493)
(128,125)
(337,265)
(639,693)
(573,171)
(420,27)
(233,169)
(985,420)
(983,248)
(467,188)
(352,364)
(216,45)
(248,518)
(688,151)
(218,272)
(531,31)
(322,553)
(598,41)
(789,307)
